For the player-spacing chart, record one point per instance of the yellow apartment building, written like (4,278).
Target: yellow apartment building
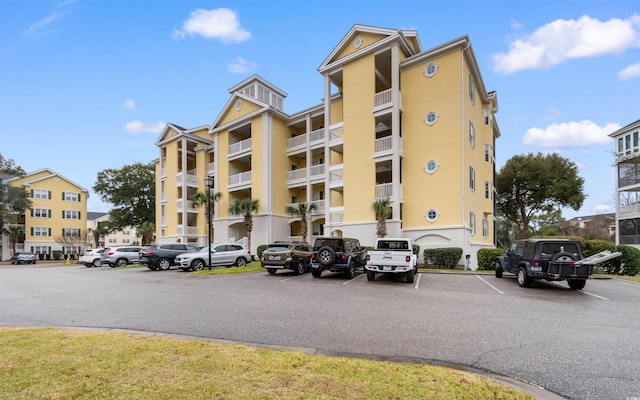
(396,121)
(59,209)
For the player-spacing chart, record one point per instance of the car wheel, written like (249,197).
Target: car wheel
(523,279)
(241,262)
(97,263)
(576,284)
(271,271)
(197,265)
(371,276)
(164,264)
(351,270)
(498,270)
(300,268)
(121,262)
(316,273)
(326,255)
(410,276)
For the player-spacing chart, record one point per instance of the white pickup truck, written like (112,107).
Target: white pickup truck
(392,256)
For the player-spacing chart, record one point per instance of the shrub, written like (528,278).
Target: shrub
(416,249)
(443,257)
(487,258)
(591,247)
(57,254)
(260,249)
(627,264)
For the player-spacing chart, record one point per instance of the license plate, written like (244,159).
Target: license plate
(387,268)
(274,257)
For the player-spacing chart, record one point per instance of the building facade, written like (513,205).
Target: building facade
(627,150)
(58,212)
(414,126)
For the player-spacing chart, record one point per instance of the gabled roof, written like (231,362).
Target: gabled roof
(256,78)
(48,174)
(408,40)
(181,132)
(92,215)
(625,129)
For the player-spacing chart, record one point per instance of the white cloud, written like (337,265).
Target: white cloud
(570,134)
(128,105)
(138,127)
(36,28)
(631,72)
(562,40)
(241,66)
(604,209)
(220,23)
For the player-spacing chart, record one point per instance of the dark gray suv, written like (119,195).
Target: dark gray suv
(337,255)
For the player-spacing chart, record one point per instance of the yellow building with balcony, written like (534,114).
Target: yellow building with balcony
(399,122)
(59,209)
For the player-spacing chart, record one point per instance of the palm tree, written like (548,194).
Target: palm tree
(146,231)
(302,210)
(246,207)
(15,233)
(98,232)
(382,209)
(200,199)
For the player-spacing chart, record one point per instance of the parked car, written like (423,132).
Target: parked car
(337,255)
(222,254)
(91,258)
(295,256)
(162,255)
(392,256)
(120,256)
(23,258)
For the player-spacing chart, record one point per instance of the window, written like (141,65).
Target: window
(40,249)
(71,196)
(487,152)
(472,135)
(635,141)
(41,213)
(431,118)
(432,215)
(472,90)
(627,144)
(472,222)
(620,145)
(71,232)
(487,189)
(40,231)
(431,166)
(70,214)
(486,115)
(112,241)
(126,241)
(485,227)
(472,178)
(430,70)
(40,194)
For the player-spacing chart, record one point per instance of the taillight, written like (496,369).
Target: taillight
(536,262)
(289,253)
(343,257)
(313,255)
(111,253)
(368,258)
(407,258)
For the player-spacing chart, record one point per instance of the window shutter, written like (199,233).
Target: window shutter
(63,214)
(79,194)
(49,213)
(49,194)
(32,193)
(32,231)
(62,195)
(49,231)
(79,215)
(31,211)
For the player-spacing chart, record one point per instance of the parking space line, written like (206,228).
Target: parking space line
(581,291)
(357,276)
(417,282)
(490,285)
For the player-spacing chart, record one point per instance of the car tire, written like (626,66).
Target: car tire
(410,276)
(241,262)
(197,265)
(271,271)
(523,279)
(185,269)
(316,273)
(88,265)
(498,270)
(576,284)
(351,270)
(563,256)
(326,255)
(96,263)
(300,268)
(121,262)
(164,264)
(371,276)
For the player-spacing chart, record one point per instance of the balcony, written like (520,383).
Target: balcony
(163,197)
(336,178)
(385,190)
(318,203)
(189,203)
(190,230)
(191,178)
(299,176)
(384,146)
(628,210)
(211,168)
(240,180)
(163,222)
(239,149)
(384,99)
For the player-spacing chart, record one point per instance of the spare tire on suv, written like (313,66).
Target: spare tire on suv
(337,255)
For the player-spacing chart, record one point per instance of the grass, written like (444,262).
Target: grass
(47,363)
(635,279)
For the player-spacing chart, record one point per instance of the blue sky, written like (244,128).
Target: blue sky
(88,85)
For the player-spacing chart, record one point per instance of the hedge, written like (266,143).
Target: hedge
(443,257)
(487,258)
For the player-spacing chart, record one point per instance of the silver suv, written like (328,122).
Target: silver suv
(120,256)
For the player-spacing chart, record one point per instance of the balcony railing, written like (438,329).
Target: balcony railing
(297,141)
(189,203)
(383,144)
(211,168)
(336,217)
(239,147)
(336,133)
(317,135)
(243,177)
(318,203)
(317,170)
(192,179)
(163,221)
(296,174)
(629,209)
(190,231)
(385,190)
(628,181)
(385,98)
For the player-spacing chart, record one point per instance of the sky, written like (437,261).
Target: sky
(89,85)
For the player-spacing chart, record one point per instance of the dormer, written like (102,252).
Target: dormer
(261,90)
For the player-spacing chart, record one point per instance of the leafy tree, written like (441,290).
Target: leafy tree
(131,191)
(12,199)
(530,185)
(302,210)
(15,234)
(98,232)
(146,231)
(246,207)
(382,209)
(199,199)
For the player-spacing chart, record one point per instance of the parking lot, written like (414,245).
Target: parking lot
(579,344)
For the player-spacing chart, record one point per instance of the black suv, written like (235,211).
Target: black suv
(295,256)
(163,255)
(548,259)
(337,255)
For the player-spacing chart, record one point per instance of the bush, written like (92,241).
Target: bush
(627,264)
(591,247)
(57,254)
(443,257)
(260,249)
(487,258)
(416,249)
